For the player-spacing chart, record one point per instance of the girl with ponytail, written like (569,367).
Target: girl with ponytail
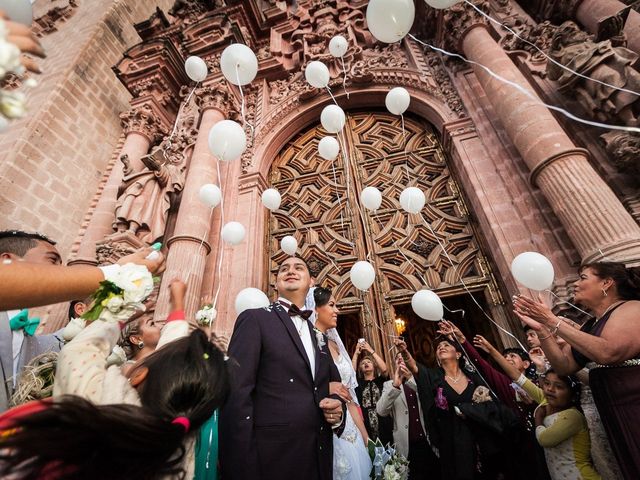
(102,424)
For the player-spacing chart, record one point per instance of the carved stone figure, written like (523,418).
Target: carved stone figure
(616,66)
(145,196)
(624,150)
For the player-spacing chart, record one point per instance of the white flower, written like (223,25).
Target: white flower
(135,280)
(114,304)
(125,312)
(117,356)
(73,328)
(320,338)
(206,315)
(12,104)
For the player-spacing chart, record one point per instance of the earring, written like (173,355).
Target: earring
(604,292)
(140,344)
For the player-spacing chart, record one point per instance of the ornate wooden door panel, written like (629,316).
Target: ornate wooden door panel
(321,209)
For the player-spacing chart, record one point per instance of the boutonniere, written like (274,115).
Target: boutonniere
(206,315)
(320,338)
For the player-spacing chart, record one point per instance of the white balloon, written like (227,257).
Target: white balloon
(412,199)
(249,298)
(390,20)
(439,4)
(227,140)
(271,199)
(371,198)
(332,118)
(317,74)
(362,275)
(328,148)
(18,11)
(338,46)
(289,245)
(233,233)
(427,305)
(196,68)
(533,270)
(397,100)
(210,194)
(239,64)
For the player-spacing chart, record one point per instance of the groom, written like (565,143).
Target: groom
(279,418)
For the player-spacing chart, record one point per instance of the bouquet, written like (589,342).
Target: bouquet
(121,294)
(387,463)
(206,315)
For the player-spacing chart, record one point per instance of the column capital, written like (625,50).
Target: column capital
(144,121)
(218,98)
(457,21)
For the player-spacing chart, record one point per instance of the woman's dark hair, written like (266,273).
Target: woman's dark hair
(627,280)
(75,439)
(321,296)
(462,361)
(572,383)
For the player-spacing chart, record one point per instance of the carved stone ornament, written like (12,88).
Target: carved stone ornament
(576,49)
(539,35)
(556,11)
(144,121)
(60,11)
(219,98)
(624,150)
(458,20)
(454,102)
(116,246)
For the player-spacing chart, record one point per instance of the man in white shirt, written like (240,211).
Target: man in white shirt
(18,342)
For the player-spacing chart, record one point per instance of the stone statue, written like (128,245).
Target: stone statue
(624,150)
(576,49)
(144,197)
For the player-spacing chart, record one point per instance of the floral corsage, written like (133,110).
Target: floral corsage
(121,294)
(206,315)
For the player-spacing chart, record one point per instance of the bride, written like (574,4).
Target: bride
(350,456)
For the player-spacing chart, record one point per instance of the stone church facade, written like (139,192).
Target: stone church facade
(115,149)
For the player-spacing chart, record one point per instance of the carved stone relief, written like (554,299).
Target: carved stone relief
(624,150)
(60,11)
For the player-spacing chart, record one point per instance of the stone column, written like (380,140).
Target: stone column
(590,12)
(141,127)
(589,210)
(187,250)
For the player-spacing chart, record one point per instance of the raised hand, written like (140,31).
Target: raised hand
(447,328)
(23,38)
(482,343)
(536,311)
(155,264)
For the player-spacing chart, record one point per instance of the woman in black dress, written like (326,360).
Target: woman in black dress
(464,433)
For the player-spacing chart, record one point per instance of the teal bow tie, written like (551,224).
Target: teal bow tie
(22,321)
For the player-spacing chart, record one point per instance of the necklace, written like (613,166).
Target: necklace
(454,380)
(608,309)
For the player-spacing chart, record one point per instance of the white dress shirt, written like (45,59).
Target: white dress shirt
(17,337)
(302,327)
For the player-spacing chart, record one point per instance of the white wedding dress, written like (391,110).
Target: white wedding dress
(350,457)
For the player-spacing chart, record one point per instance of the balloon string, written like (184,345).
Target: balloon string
(561,301)
(204,234)
(220,241)
(528,93)
(466,288)
(332,97)
(347,167)
(242,109)
(344,79)
(337,192)
(497,22)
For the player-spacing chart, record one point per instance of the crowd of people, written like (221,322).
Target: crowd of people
(133,399)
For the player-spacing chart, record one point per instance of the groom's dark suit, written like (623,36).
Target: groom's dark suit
(271,425)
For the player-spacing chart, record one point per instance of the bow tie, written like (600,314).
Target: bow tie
(294,311)
(22,321)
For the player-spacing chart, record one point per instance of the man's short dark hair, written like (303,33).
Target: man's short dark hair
(19,243)
(526,328)
(518,351)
